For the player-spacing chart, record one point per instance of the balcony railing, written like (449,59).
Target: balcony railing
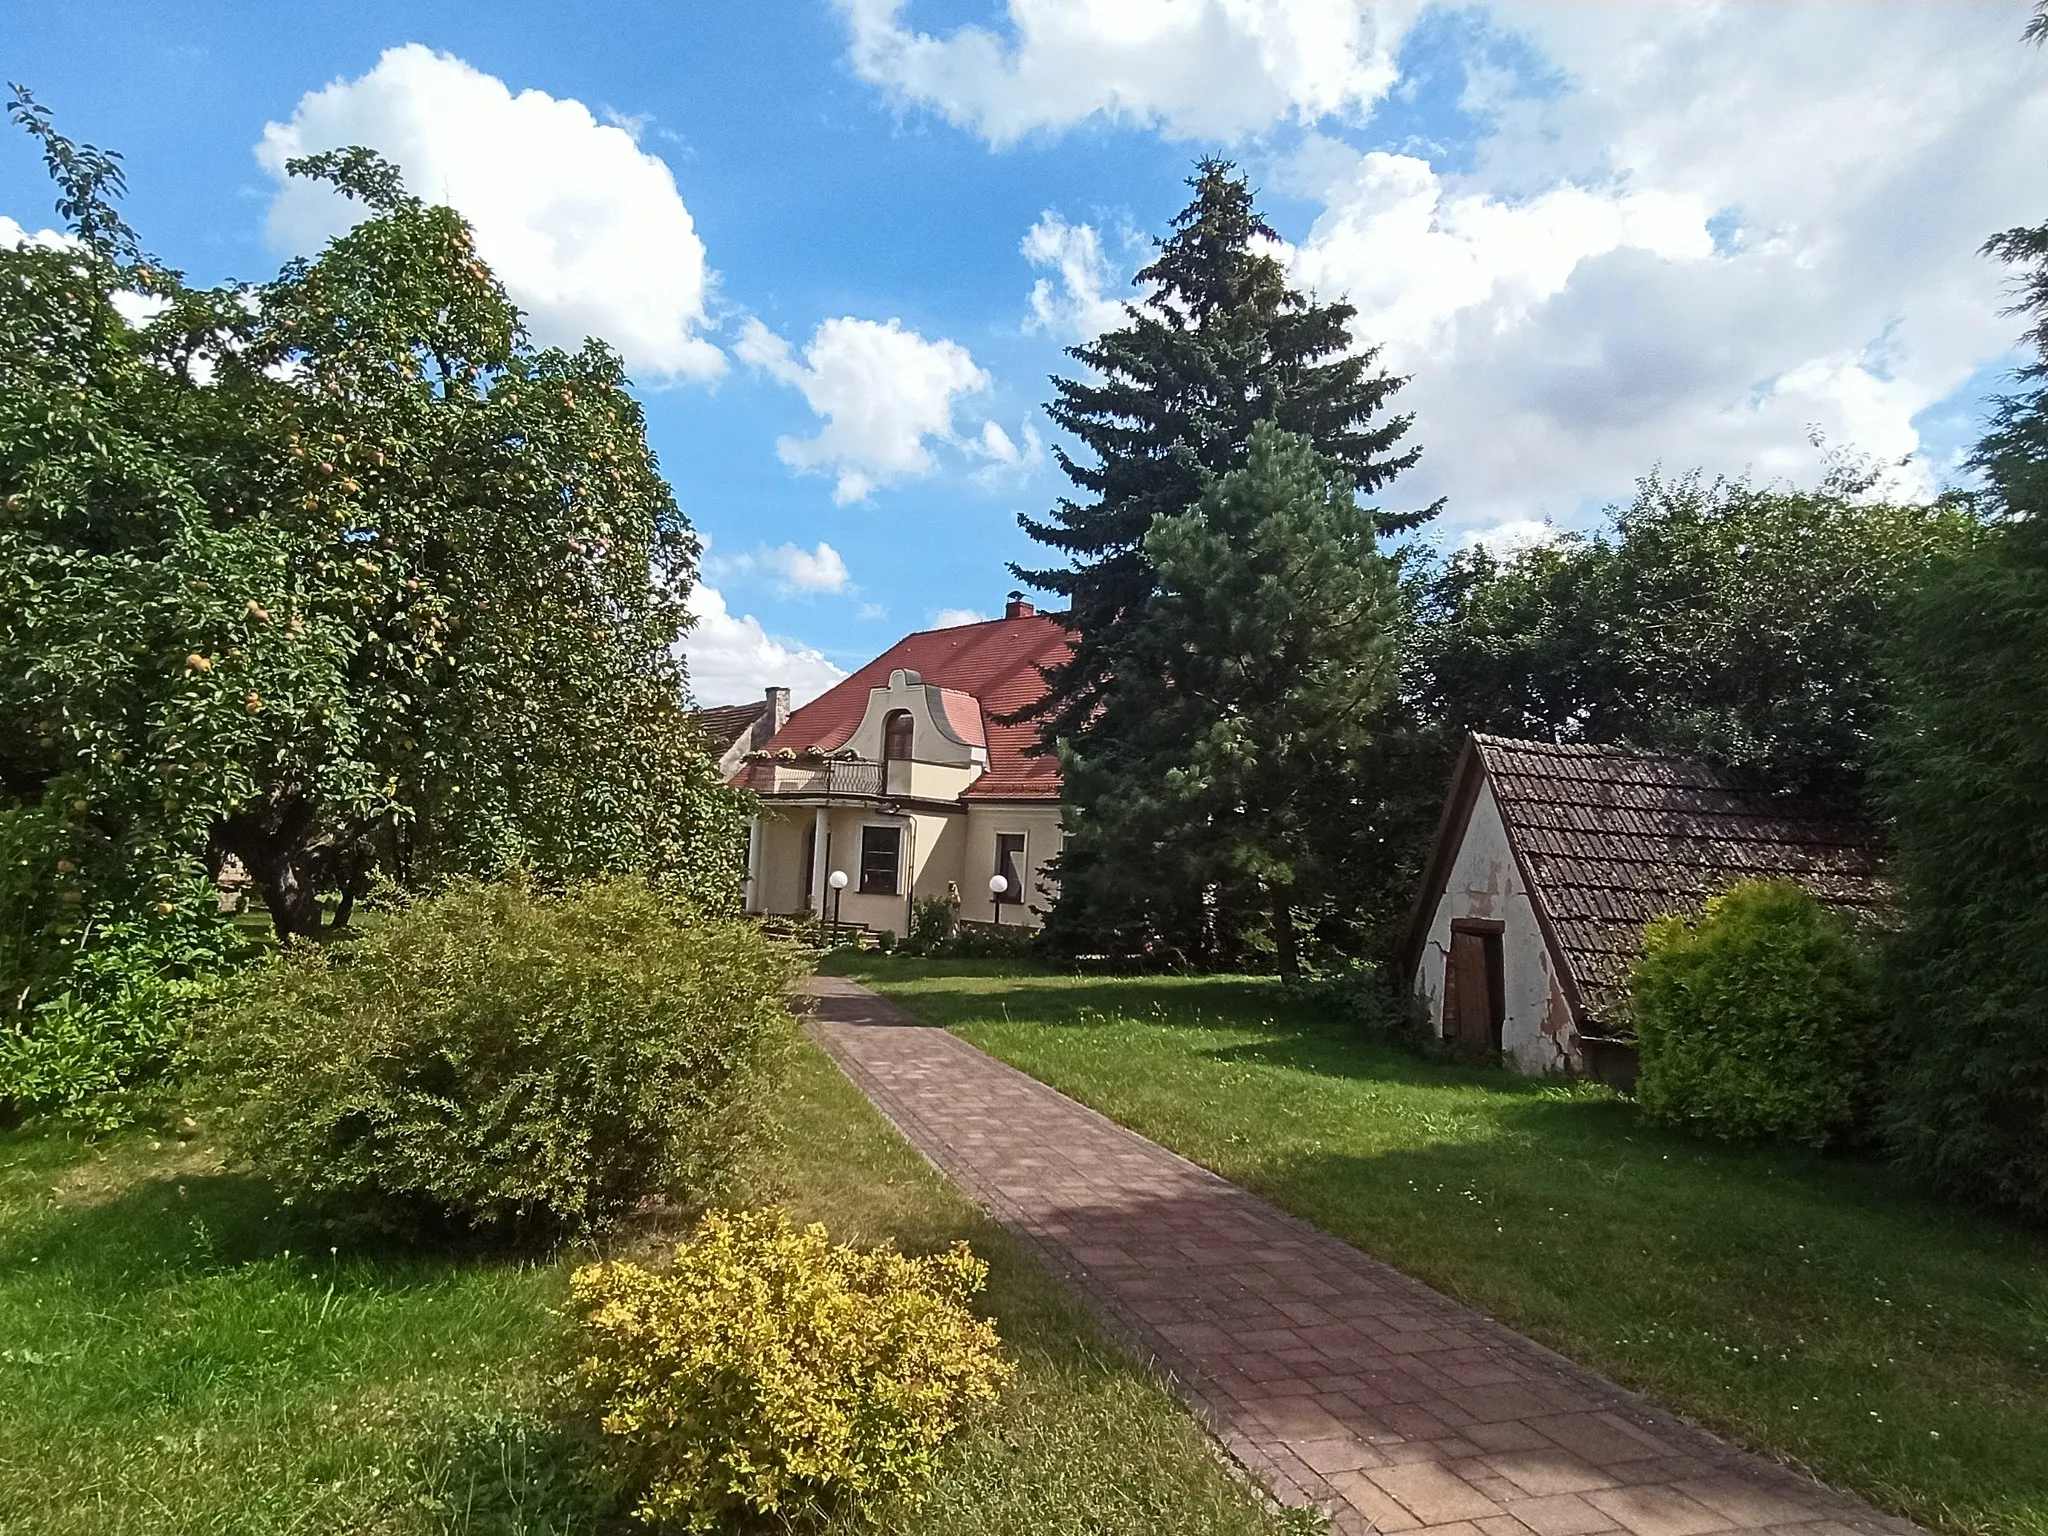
(834,778)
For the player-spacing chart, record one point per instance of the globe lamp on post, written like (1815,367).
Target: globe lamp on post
(838,884)
(998,887)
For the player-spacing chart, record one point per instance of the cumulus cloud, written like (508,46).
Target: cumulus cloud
(588,232)
(13,235)
(953,618)
(1007,460)
(1191,68)
(884,394)
(1072,302)
(732,658)
(794,568)
(1511,537)
(1733,225)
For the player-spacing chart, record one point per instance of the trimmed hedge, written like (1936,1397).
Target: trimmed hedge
(496,1059)
(1759,1021)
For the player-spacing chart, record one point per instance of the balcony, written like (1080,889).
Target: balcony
(831,779)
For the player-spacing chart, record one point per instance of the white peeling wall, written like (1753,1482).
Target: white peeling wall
(1484,882)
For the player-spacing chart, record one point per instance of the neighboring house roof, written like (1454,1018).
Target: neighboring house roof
(985,672)
(1608,838)
(725,724)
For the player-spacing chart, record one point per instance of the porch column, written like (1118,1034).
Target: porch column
(755,832)
(819,861)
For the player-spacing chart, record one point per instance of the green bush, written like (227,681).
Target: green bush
(1759,1020)
(124,1017)
(502,1060)
(102,968)
(992,941)
(770,1372)
(932,919)
(1965,781)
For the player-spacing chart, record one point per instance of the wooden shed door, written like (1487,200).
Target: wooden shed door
(1474,1007)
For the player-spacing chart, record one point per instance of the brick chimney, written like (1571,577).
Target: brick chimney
(1017,607)
(774,717)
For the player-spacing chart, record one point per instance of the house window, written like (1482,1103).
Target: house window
(881,854)
(897,737)
(1010,864)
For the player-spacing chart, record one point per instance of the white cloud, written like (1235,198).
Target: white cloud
(813,570)
(1731,226)
(1511,537)
(953,618)
(883,392)
(1073,304)
(872,611)
(795,568)
(1191,68)
(732,658)
(1008,459)
(13,235)
(587,232)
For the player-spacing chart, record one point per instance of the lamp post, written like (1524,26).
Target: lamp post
(838,884)
(998,887)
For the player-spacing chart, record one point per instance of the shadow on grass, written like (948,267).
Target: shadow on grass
(163,1227)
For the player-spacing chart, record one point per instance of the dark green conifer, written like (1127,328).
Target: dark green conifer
(1219,343)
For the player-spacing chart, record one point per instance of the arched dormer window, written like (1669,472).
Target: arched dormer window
(896,737)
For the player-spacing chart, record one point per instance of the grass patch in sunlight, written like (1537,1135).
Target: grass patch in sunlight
(179,1354)
(1818,1309)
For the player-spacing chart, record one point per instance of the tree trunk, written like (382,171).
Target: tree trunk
(1284,945)
(278,846)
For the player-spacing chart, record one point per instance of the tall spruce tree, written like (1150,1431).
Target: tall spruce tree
(1262,663)
(1218,344)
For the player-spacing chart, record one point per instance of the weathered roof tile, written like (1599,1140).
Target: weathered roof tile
(1613,837)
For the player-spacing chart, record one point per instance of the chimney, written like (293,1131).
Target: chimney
(1017,607)
(774,717)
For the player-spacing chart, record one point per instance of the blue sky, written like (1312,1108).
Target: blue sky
(1599,238)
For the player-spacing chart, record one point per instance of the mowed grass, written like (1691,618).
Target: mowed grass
(178,1353)
(1817,1309)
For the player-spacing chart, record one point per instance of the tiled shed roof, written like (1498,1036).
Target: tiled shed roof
(993,664)
(1609,838)
(725,724)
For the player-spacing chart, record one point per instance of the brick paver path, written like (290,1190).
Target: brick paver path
(1336,1380)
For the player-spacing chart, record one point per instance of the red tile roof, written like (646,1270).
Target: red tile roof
(995,662)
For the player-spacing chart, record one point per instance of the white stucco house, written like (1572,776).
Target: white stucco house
(911,779)
(1550,859)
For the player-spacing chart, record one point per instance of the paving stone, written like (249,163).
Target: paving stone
(1551,1470)
(1433,1492)
(1658,1511)
(1562,1514)
(1338,1381)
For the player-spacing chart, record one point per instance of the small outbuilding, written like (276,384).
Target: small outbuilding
(1549,861)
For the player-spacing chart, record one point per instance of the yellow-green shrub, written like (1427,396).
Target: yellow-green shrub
(770,1371)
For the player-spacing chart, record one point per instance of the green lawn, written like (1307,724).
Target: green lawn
(178,1355)
(1814,1308)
